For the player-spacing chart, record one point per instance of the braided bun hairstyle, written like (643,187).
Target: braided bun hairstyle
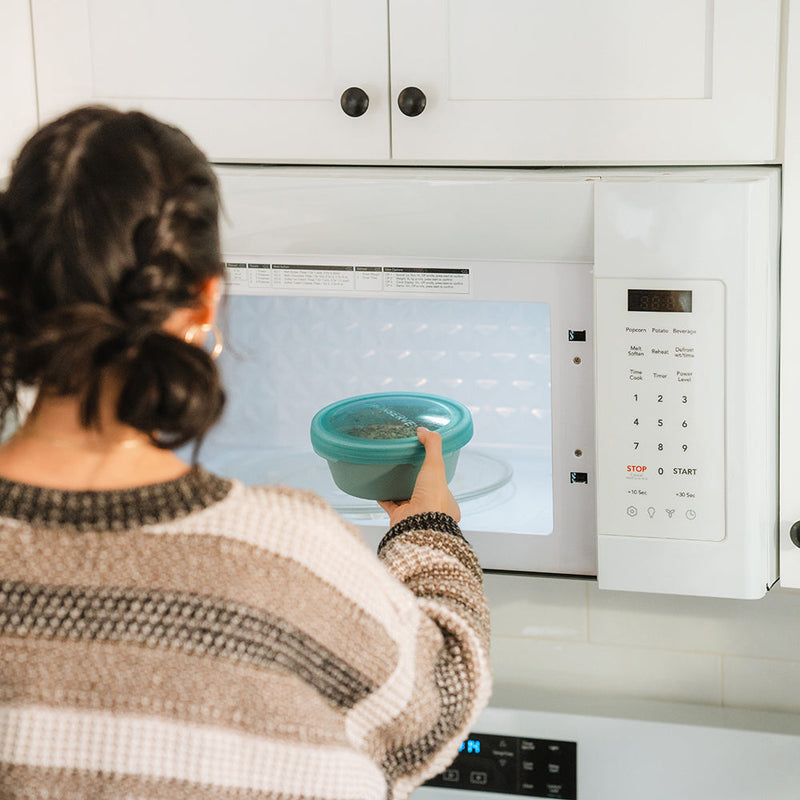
(108,225)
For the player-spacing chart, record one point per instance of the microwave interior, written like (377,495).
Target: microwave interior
(510,340)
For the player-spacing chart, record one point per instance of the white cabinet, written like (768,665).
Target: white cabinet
(508,81)
(790,319)
(588,81)
(17,94)
(249,80)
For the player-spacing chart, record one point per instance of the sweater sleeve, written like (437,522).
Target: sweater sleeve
(429,555)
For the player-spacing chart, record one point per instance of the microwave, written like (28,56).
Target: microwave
(613,332)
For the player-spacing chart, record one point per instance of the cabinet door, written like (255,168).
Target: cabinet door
(17,96)
(249,80)
(587,81)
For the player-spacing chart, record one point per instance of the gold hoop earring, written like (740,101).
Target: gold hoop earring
(205,328)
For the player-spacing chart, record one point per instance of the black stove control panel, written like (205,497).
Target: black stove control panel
(513,765)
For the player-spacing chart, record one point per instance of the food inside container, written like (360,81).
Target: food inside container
(370,441)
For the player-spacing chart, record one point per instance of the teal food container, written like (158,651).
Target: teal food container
(370,441)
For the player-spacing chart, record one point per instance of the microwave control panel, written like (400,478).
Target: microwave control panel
(513,765)
(660,363)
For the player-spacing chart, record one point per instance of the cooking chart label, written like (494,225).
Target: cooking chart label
(426,279)
(251,277)
(661,409)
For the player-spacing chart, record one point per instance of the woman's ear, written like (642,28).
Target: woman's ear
(209,294)
(203,313)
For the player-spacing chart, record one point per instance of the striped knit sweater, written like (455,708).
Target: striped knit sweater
(203,639)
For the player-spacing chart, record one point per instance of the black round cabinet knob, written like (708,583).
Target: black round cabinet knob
(412,101)
(355,101)
(794,534)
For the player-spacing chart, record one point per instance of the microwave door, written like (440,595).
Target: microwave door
(522,367)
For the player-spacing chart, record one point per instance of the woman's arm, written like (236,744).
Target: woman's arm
(426,551)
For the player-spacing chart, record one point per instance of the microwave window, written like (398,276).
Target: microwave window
(288,356)
(659,300)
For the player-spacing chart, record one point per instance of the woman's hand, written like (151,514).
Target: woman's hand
(431,492)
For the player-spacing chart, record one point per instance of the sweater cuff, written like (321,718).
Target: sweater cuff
(429,521)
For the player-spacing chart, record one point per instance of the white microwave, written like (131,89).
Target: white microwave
(613,333)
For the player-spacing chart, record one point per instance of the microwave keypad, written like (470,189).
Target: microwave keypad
(661,409)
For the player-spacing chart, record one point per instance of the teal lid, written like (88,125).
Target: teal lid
(382,428)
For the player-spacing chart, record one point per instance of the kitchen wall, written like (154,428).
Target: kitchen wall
(566,635)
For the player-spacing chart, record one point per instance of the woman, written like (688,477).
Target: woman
(165,632)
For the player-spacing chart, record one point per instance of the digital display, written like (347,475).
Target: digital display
(660,300)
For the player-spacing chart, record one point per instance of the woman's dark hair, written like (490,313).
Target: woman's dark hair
(109,223)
